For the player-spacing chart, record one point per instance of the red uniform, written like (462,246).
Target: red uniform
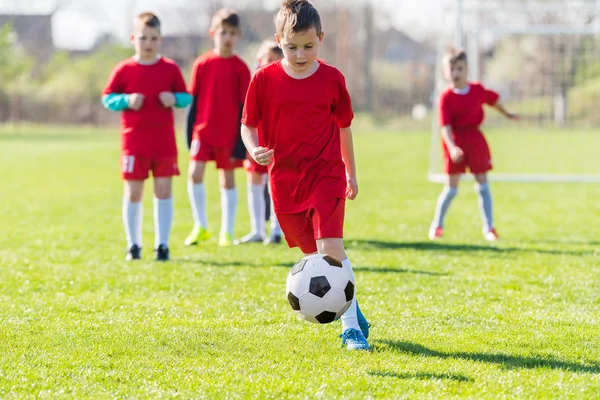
(147,135)
(464,113)
(220,86)
(300,120)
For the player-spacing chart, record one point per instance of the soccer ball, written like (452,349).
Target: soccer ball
(319,288)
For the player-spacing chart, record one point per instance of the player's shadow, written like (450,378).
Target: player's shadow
(288,265)
(506,360)
(367,245)
(384,270)
(421,376)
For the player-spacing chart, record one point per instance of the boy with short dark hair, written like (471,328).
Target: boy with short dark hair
(145,88)
(464,146)
(218,85)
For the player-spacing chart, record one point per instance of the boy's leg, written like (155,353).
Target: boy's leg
(132,216)
(256,208)
(482,187)
(443,204)
(229,200)
(163,216)
(197,196)
(328,226)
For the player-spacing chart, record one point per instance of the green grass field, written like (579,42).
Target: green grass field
(458,318)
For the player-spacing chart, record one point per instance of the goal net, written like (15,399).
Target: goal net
(543,57)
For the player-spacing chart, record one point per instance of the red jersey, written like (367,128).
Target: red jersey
(220,85)
(464,112)
(150,131)
(300,120)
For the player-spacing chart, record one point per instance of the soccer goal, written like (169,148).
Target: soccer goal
(543,57)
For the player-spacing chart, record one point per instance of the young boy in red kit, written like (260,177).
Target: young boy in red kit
(218,85)
(145,88)
(461,114)
(304,113)
(258,193)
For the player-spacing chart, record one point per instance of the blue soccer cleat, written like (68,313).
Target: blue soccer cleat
(362,322)
(354,340)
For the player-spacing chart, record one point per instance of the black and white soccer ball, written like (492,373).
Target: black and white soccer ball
(319,288)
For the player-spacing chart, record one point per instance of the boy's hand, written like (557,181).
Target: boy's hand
(514,117)
(136,100)
(167,99)
(456,154)
(262,156)
(352,188)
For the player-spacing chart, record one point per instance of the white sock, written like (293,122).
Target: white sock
(132,221)
(349,319)
(256,206)
(197,196)
(229,199)
(163,220)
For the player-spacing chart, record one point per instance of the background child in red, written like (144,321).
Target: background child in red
(218,85)
(145,88)
(297,121)
(258,191)
(464,146)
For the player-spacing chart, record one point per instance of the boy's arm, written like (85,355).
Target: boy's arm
(498,106)
(182,99)
(349,161)
(260,154)
(116,101)
(191,120)
(446,132)
(239,151)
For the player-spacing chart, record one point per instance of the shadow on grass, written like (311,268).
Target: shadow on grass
(214,263)
(421,376)
(507,360)
(362,244)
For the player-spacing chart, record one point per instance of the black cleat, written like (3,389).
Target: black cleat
(273,239)
(162,253)
(134,253)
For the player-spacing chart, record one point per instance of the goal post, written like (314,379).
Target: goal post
(543,57)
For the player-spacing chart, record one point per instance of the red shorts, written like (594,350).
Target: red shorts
(477,154)
(323,220)
(221,156)
(135,168)
(254,167)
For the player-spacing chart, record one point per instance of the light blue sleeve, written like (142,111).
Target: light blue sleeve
(115,101)
(183,99)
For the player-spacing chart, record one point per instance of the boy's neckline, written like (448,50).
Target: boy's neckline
(218,54)
(280,62)
(136,58)
(462,91)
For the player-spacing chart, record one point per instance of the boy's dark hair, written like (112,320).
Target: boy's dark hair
(148,19)
(225,16)
(297,16)
(452,56)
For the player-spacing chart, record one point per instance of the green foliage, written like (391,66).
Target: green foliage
(15,65)
(457,318)
(85,76)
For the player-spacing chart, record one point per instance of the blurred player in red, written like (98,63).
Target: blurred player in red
(268,52)
(145,88)
(464,146)
(218,85)
(297,121)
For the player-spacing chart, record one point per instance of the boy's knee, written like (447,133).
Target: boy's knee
(482,187)
(450,192)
